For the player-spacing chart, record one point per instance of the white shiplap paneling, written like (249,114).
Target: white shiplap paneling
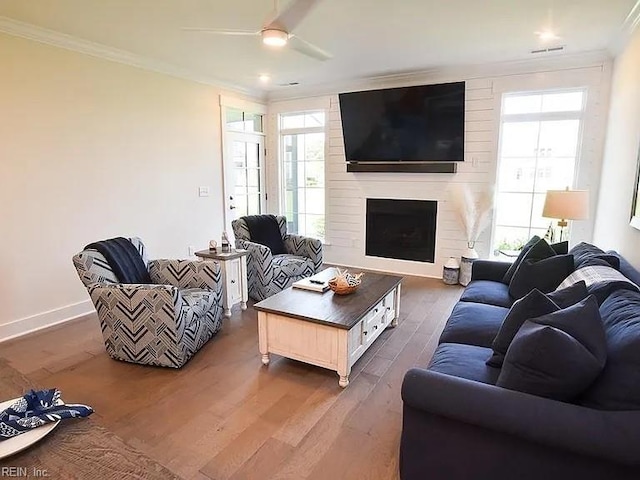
(346,193)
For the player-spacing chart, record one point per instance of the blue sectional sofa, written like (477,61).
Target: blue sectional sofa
(457,424)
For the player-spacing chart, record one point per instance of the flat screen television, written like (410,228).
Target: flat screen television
(409,124)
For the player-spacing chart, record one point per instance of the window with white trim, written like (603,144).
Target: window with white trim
(302,162)
(540,140)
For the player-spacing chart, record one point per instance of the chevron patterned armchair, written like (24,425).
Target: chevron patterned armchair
(162,324)
(268,274)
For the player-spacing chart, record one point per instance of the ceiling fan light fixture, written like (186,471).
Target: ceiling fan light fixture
(274,38)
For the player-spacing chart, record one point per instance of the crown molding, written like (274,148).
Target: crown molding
(552,62)
(627,30)
(17,28)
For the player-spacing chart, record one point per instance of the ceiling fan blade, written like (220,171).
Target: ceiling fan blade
(308,49)
(220,31)
(289,19)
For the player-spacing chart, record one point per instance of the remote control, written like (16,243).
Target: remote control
(317,282)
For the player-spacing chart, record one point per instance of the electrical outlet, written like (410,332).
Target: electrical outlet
(192,251)
(203,191)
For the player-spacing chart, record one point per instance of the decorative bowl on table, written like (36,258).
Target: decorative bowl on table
(345,283)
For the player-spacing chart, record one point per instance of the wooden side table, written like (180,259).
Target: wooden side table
(234,276)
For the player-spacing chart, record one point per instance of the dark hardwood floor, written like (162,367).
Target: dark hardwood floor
(225,416)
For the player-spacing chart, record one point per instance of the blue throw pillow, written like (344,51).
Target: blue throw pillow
(561,248)
(558,355)
(571,295)
(532,305)
(545,275)
(516,263)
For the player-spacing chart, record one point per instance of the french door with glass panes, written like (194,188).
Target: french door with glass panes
(244,175)
(540,143)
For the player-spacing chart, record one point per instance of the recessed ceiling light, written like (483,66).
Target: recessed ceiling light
(264,77)
(546,35)
(274,38)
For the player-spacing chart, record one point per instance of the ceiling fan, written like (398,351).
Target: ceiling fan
(277,30)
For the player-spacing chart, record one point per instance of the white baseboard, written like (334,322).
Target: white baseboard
(47,319)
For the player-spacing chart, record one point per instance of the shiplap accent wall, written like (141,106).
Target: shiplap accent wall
(346,193)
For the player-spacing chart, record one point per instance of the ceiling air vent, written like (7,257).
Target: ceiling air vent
(289,84)
(549,50)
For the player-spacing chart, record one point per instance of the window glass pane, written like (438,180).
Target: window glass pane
(253,177)
(537,220)
(253,122)
(303,173)
(514,209)
(314,119)
(516,174)
(315,201)
(253,207)
(535,156)
(554,173)
(559,138)
(253,150)
(314,226)
(562,102)
(233,119)
(292,121)
(519,139)
(510,238)
(521,104)
(314,175)
(314,147)
(239,154)
(240,176)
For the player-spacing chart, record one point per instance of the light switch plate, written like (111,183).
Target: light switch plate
(203,191)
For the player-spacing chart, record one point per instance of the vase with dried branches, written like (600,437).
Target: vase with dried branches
(474,213)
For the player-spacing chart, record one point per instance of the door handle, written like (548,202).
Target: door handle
(231,207)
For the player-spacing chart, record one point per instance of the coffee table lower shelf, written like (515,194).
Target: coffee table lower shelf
(326,346)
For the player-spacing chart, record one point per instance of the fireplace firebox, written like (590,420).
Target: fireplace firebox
(401,229)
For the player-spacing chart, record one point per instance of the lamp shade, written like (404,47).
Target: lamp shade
(566,204)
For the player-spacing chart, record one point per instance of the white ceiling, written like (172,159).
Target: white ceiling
(366,37)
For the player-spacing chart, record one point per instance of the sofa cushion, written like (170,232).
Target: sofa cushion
(626,268)
(618,387)
(516,263)
(489,292)
(473,324)
(603,259)
(464,361)
(532,305)
(292,265)
(600,281)
(558,355)
(582,251)
(545,274)
(199,301)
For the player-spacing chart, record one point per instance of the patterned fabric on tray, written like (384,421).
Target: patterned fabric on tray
(35,409)
(269,274)
(163,323)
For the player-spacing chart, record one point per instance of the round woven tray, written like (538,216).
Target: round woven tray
(342,290)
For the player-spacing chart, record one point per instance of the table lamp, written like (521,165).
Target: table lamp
(566,205)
